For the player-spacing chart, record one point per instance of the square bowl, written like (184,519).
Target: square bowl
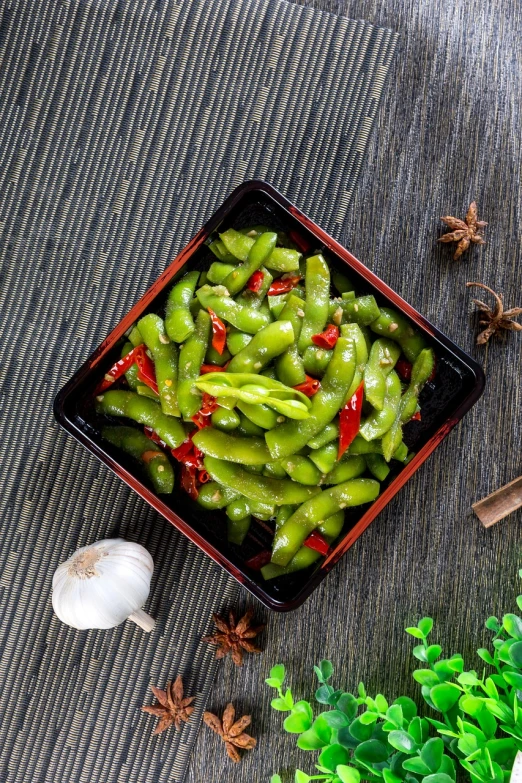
(457,385)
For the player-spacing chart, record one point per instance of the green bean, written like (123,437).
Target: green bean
(327,435)
(284,513)
(165,358)
(248,428)
(224,419)
(144,411)
(146,391)
(379,422)
(361,446)
(377,466)
(316,360)
(236,243)
(341,282)
(153,460)
(317,300)
(191,357)
(257,255)
(256,299)
(218,271)
(251,451)
(292,436)
(269,372)
(383,358)
(274,469)
(289,365)
(349,468)
(259,414)
(290,536)
(361,310)
(131,375)
(301,469)
(392,324)
(325,457)
(252,388)
(264,346)
(348,296)
(335,311)
(178,319)
(220,251)
(237,530)
(213,495)
(401,454)
(213,357)
(242,507)
(246,319)
(277,303)
(277,491)
(332,526)
(354,332)
(135,336)
(281,259)
(237,340)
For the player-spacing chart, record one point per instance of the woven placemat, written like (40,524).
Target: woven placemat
(122,126)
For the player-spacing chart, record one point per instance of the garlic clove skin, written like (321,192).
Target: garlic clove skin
(102,584)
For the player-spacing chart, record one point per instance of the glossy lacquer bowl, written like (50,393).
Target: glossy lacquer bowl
(457,385)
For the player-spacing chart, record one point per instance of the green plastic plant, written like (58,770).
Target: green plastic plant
(360,738)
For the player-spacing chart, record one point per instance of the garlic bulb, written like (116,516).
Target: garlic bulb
(103,584)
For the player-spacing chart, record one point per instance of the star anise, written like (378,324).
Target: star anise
(497,319)
(234,638)
(172,708)
(232,733)
(464,232)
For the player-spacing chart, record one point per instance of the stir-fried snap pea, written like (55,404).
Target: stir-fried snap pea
(396,327)
(291,436)
(325,457)
(279,491)
(274,469)
(301,469)
(191,356)
(242,507)
(377,466)
(225,419)
(383,358)
(281,259)
(290,536)
(257,255)
(289,364)
(178,319)
(153,460)
(237,340)
(144,411)
(351,467)
(246,319)
(218,271)
(317,300)
(380,421)
(327,435)
(251,451)
(131,375)
(259,414)
(354,332)
(237,529)
(361,310)
(165,358)
(213,495)
(316,360)
(264,346)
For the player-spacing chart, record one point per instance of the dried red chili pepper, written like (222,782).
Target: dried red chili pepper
(350,420)
(219,332)
(317,542)
(203,477)
(184,450)
(206,368)
(255,281)
(299,240)
(283,285)
(154,437)
(257,562)
(416,416)
(146,371)
(328,338)
(404,369)
(310,387)
(189,481)
(119,369)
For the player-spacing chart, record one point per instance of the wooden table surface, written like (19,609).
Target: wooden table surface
(449,131)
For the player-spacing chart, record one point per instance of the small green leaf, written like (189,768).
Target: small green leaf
(487,722)
(433,652)
(444,696)
(468,744)
(367,718)
(335,719)
(348,704)
(425,690)
(471,705)
(279,704)
(348,774)
(513,678)
(278,672)
(432,753)
(301,777)
(326,669)
(334,755)
(275,779)
(334,698)
(415,729)
(288,699)
(491,688)
(362,690)
(456,663)
(438,777)
(519,601)
(415,632)
(426,677)
(319,673)
(515,654)
(416,765)
(420,653)
(408,706)
(401,740)
(323,694)
(502,750)
(395,715)
(300,719)
(486,656)
(346,739)
(468,679)
(310,740)
(390,777)
(381,703)
(359,731)
(492,624)
(513,625)
(425,625)
(437,724)
(273,682)
(447,766)
(371,752)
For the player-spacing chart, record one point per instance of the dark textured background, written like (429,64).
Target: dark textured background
(449,130)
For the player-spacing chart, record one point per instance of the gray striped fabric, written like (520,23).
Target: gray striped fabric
(123,125)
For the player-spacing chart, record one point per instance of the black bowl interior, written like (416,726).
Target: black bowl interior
(441,397)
